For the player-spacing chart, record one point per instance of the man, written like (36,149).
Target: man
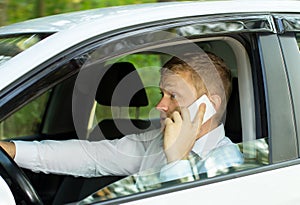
(183,81)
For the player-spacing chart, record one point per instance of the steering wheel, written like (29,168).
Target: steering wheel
(17,180)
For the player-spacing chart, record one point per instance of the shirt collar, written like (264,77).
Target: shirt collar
(209,141)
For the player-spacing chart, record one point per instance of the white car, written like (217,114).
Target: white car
(48,92)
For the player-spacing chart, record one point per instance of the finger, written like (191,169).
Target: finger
(199,116)
(168,121)
(177,117)
(185,114)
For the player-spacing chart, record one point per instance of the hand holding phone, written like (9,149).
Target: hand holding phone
(209,111)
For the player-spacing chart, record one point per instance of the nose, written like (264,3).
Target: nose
(162,105)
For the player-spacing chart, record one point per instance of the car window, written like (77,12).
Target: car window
(142,182)
(255,147)
(147,66)
(13,45)
(26,121)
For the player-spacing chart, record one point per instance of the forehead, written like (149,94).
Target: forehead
(176,80)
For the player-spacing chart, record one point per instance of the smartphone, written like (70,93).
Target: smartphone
(209,111)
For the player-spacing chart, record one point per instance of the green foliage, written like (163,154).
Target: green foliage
(17,10)
(26,121)
(148,68)
(20,10)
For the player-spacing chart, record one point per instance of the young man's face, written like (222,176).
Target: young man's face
(177,91)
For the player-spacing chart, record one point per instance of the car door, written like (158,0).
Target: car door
(276,96)
(278,55)
(268,133)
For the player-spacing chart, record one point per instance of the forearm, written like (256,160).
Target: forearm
(9,147)
(76,157)
(58,157)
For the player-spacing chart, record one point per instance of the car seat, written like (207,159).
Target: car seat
(120,87)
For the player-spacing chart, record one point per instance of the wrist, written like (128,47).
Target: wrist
(174,156)
(9,148)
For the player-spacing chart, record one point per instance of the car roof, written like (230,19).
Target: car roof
(74,28)
(59,22)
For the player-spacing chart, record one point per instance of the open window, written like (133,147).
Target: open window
(240,121)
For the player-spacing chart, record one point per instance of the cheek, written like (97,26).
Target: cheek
(184,102)
(174,105)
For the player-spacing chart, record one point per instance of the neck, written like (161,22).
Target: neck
(207,127)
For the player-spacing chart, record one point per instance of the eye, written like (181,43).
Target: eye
(173,96)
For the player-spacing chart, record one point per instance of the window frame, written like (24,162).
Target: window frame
(291,56)
(288,25)
(276,81)
(249,116)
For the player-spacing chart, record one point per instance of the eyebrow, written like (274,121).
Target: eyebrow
(168,84)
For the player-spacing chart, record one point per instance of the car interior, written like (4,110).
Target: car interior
(119,79)
(115,91)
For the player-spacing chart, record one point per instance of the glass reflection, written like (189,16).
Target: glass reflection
(256,154)
(257,23)
(290,23)
(11,46)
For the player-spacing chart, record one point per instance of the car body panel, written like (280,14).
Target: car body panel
(277,82)
(147,12)
(260,188)
(6,196)
(290,52)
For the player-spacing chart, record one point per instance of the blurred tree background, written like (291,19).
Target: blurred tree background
(13,11)
(27,120)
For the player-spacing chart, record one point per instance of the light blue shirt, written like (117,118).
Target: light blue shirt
(215,153)
(129,155)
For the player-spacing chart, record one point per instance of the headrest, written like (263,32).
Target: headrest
(121,86)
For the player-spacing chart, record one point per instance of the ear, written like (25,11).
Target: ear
(216,101)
